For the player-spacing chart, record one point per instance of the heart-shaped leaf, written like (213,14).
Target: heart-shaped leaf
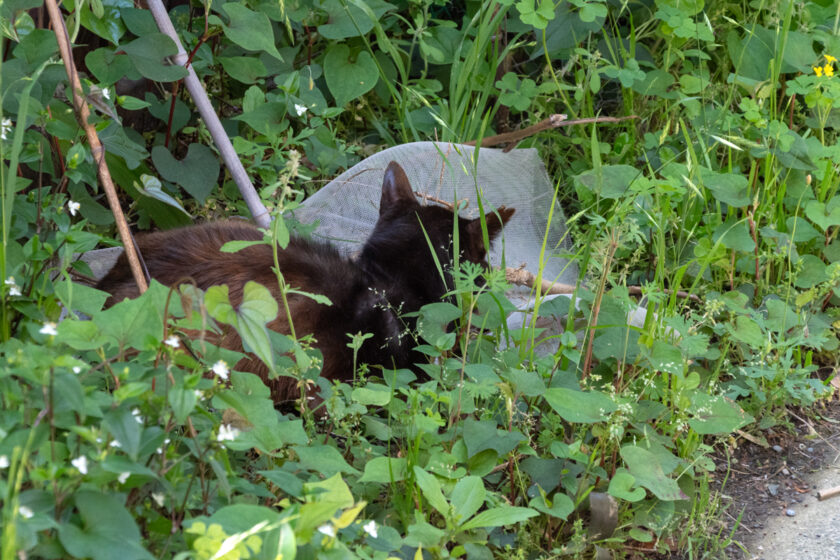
(198,173)
(579,406)
(621,486)
(348,77)
(250,30)
(109,531)
(824,214)
(645,468)
(149,55)
(716,415)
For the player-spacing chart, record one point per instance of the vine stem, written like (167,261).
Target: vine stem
(96,149)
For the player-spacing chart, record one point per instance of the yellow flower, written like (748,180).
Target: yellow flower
(830,59)
(817,70)
(828,69)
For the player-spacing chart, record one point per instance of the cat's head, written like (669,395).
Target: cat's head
(406,230)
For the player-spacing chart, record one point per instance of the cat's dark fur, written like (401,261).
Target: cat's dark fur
(394,271)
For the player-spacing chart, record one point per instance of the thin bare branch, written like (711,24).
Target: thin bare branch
(554,121)
(98,152)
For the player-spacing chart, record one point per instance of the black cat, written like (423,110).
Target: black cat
(395,271)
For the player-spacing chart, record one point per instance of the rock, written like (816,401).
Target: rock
(777,448)
(773,489)
(790,512)
(785,472)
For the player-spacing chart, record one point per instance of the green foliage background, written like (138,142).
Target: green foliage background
(719,204)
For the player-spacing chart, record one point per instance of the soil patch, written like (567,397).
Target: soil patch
(765,482)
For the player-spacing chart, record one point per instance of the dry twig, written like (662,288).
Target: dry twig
(96,149)
(554,121)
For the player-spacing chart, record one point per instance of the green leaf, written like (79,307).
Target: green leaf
(126,429)
(536,13)
(150,53)
(349,77)
(198,172)
(258,307)
(578,406)
(218,305)
(822,214)
(108,533)
(467,497)
(80,335)
(608,181)
(384,470)
(372,395)
(498,517)
(644,466)
(746,330)
(485,434)
(182,402)
(132,322)
(811,271)
(153,189)
(560,505)
(716,415)
(729,188)
(244,69)
(323,459)
(267,118)
(734,235)
(621,486)
(430,487)
(286,481)
(250,30)
(78,297)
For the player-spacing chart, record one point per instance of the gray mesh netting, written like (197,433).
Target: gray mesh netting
(348,206)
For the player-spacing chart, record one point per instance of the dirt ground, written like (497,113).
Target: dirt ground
(767,478)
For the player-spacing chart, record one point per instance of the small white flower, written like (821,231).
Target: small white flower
(25,512)
(220,368)
(370,528)
(199,394)
(4,461)
(172,341)
(123,477)
(300,109)
(77,370)
(49,328)
(5,128)
(115,443)
(227,433)
(80,463)
(73,207)
(158,498)
(137,416)
(14,289)
(106,93)
(326,529)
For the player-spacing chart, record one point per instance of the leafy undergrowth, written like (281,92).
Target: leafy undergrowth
(125,434)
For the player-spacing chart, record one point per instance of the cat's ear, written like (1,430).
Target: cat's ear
(495,222)
(396,190)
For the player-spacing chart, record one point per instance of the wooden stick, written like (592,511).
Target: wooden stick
(830,493)
(554,121)
(96,149)
(211,119)
(522,277)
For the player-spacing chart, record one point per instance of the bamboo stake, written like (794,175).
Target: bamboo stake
(96,149)
(211,119)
